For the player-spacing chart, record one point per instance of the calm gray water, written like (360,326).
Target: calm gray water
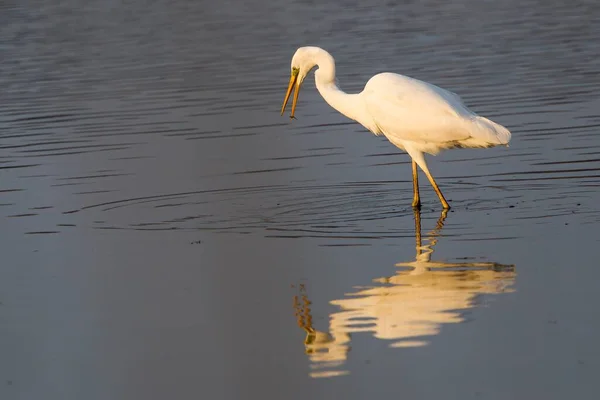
(165,234)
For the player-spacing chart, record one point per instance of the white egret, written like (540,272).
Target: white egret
(415,116)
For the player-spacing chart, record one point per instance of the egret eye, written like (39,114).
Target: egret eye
(295,71)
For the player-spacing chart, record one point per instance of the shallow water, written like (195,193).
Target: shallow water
(166,234)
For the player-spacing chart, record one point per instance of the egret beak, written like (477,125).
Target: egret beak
(293,79)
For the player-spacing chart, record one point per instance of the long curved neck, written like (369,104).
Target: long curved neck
(348,104)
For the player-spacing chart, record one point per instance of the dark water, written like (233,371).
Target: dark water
(166,234)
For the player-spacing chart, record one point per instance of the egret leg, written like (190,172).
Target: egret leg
(416,203)
(417,157)
(437,190)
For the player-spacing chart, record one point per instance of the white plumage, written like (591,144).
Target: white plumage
(415,116)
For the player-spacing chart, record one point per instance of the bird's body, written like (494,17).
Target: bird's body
(424,117)
(415,116)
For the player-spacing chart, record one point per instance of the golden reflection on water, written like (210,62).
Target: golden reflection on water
(405,308)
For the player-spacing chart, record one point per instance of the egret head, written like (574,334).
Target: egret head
(302,62)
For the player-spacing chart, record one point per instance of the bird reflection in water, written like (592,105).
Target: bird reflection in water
(405,308)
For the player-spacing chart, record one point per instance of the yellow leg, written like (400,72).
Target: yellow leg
(437,190)
(416,203)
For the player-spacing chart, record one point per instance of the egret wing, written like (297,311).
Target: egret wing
(411,110)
